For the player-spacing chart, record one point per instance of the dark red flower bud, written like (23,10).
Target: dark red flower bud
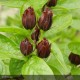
(29,18)
(45,20)
(35,34)
(77,60)
(26,47)
(52,3)
(74,58)
(43,48)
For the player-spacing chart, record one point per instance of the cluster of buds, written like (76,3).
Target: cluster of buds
(74,58)
(43,48)
(35,34)
(29,19)
(44,23)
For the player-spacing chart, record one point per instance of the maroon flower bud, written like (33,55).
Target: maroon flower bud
(45,20)
(35,34)
(52,3)
(74,58)
(43,48)
(26,47)
(29,18)
(77,60)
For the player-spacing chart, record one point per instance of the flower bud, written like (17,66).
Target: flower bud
(26,47)
(43,48)
(29,18)
(35,34)
(74,58)
(45,20)
(52,3)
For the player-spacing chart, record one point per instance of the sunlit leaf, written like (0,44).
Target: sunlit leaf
(36,66)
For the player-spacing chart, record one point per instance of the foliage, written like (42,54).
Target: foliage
(64,36)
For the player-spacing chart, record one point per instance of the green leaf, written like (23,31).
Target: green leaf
(75,47)
(16,38)
(75,71)
(69,4)
(60,1)
(55,71)
(74,12)
(1,67)
(65,51)
(56,60)
(4,69)
(15,30)
(59,23)
(36,66)
(76,24)
(15,66)
(13,3)
(8,49)
(14,21)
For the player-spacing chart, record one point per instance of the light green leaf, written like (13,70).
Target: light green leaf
(75,47)
(56,60)
(76,24)
(15,66)
(14,30)
(65,51)
(37,4)
(59,23)
(16,38)
(8,49)
(13,3)
(36,66)
(69,4)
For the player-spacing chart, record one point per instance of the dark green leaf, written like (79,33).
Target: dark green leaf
(75,71)
(15,66)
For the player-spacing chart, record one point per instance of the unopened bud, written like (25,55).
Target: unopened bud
(45,20)
(29,18)
(74,59)
(51,3)
(26,47)
(35,34)
(43,48)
